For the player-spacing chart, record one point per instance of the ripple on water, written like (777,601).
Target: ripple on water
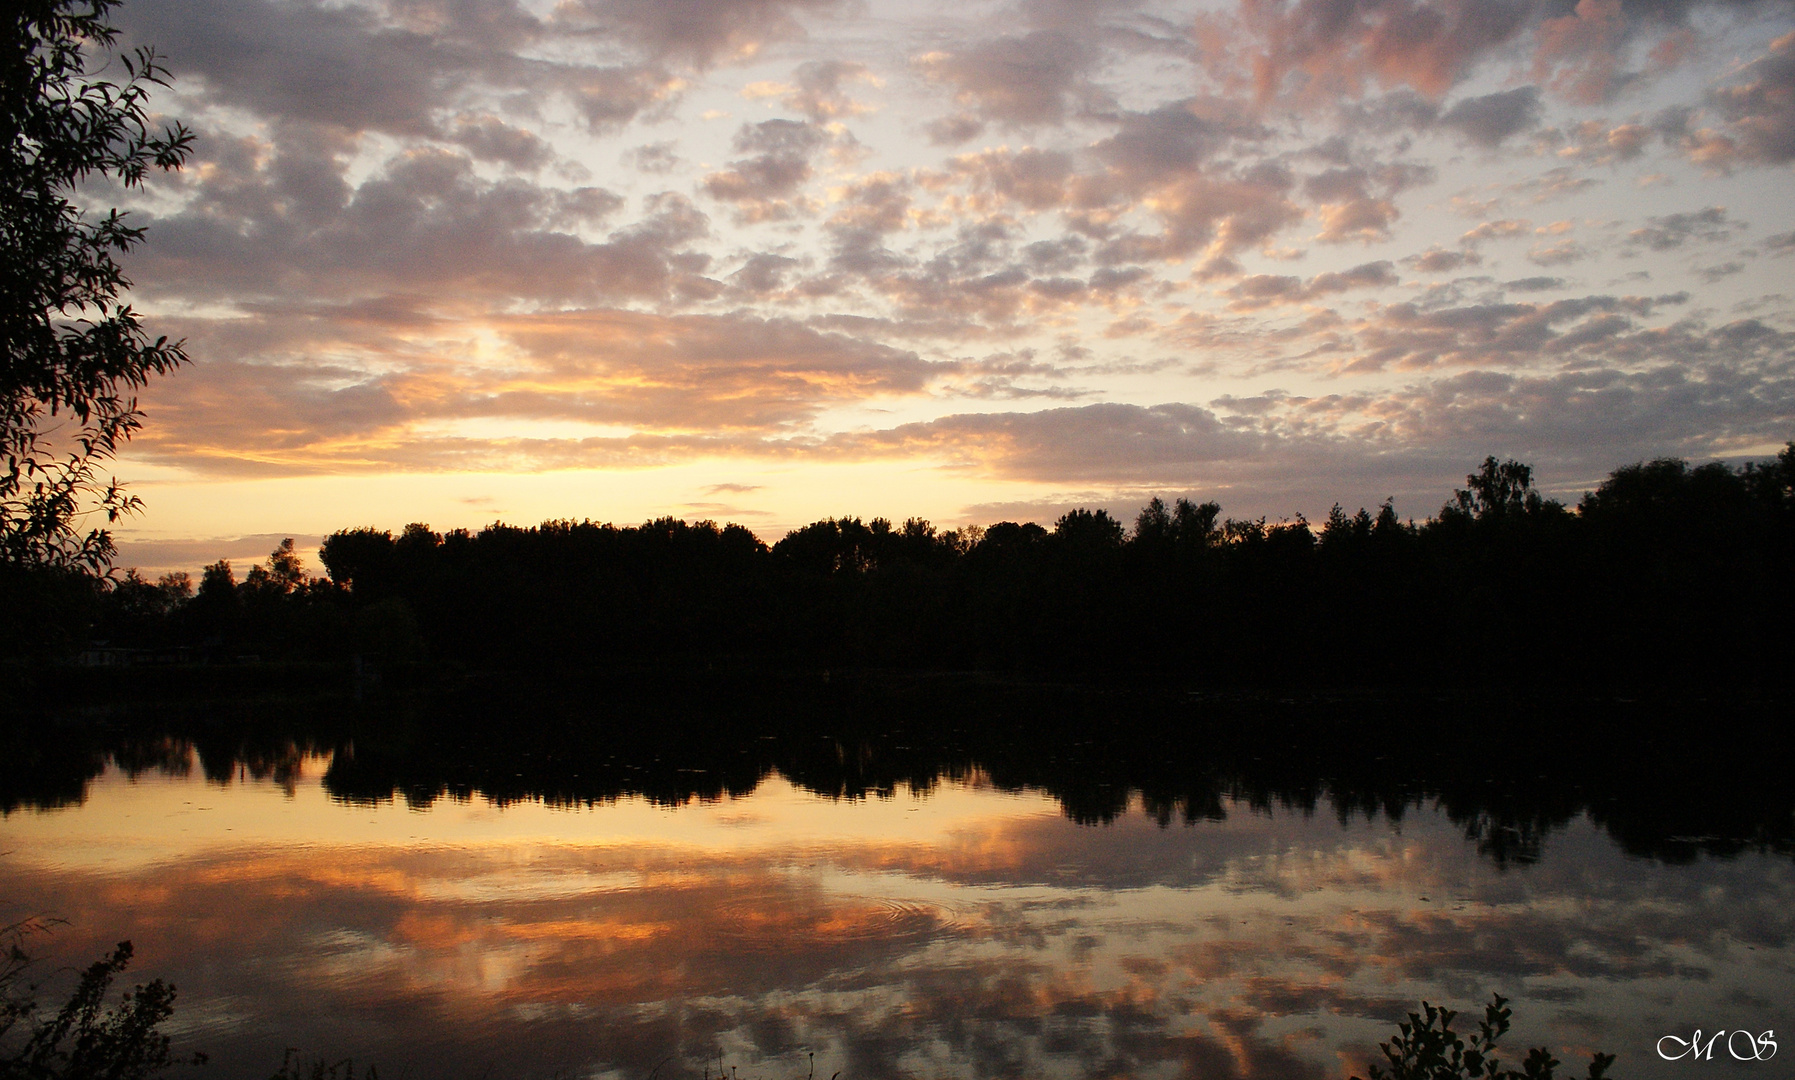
(774,923)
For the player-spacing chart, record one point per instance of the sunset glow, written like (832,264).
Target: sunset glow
(774,260)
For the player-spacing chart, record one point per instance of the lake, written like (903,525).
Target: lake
(627,907)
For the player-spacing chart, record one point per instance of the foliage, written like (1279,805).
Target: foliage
(84,1039)
(1667,576)
(72,353)
(319,1069)
(1426,1048)
(1498,491)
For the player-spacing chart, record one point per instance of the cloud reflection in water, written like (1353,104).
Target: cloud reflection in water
(965,932)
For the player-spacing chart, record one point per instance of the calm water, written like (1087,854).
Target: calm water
(955,928)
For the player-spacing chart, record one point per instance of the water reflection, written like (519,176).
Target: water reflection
(900,901)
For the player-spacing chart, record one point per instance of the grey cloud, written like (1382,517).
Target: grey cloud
(1228,213)
(345,67)
(1034,178)
(1594,328)
(870,209)
(486,23)
(1489,119)
(955,129)
(426,223)
(1440,260)
(998,377)
(1031,78)
(699,373)
(779,167)
(1591,418)
(1780,244)
(583,206)
(698,32)
(491,139)
(160,556)
(610,97)
(1114,278)
(1050,256)
(762,273)
(1759,111)
(1557,253)
(1675,230)
(1322,50)
(822,89)
(1173,139)
(1554,183)
(1357,203)
(1107,442)
(657,157)
(1398,110)
(330,65)
(1265,290)
(975,284)
(1314,53)
(1534,284)
(1074,15)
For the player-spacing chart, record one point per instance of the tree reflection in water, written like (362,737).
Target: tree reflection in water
(1217,887)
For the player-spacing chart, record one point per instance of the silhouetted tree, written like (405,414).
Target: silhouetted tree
(1498,491)
(72,354)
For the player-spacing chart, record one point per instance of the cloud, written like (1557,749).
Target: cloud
(399,244)
(763,273)
(1557,252)
(1093,442)
(658,158)
(1437,260)
(157,556)
(1496,230)
(1602,329)
(1759,111)
(339,66)
(262,402)
(701,33)
(1323,50)
(761,185)
(1216,214)
(1674,230)
(822,90)
(344,66)
(955,129)
(1357,203)
(1489,119)
(1030,78)
(1032,178)
(1316,53)
(490,139)
(1265,290)
(1166,143)
(258,226)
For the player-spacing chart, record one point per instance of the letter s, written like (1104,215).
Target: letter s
(1766,1040)
(1751,1046)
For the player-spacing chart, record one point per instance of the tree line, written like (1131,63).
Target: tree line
(1667,573)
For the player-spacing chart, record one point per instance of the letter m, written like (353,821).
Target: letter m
(1695,1045)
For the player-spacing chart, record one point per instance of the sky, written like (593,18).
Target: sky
(769,261)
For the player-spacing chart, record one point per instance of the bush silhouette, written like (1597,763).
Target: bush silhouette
(1426,1048)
